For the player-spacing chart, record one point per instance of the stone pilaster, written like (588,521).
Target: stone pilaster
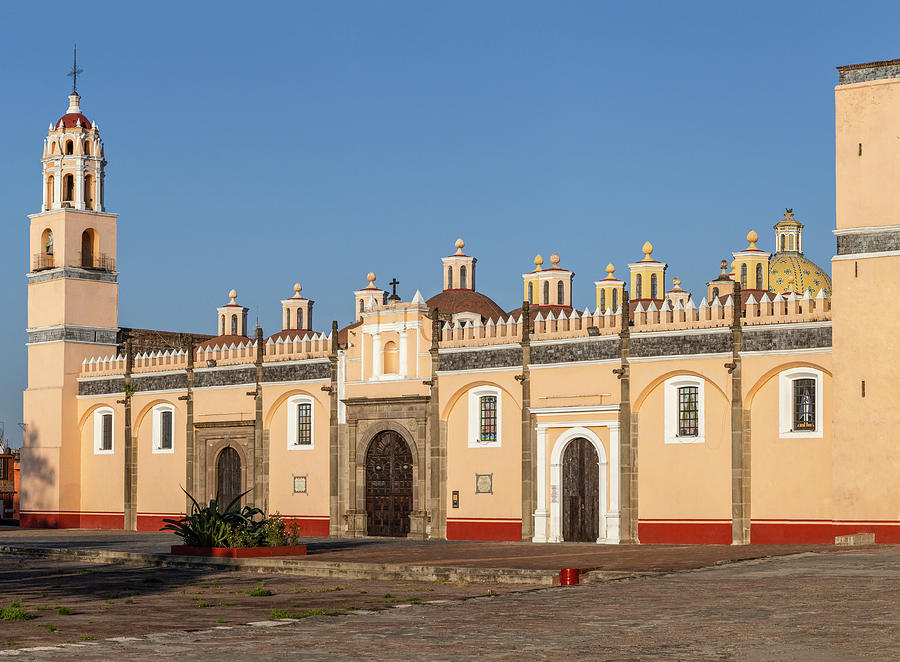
(529,477)
(130,449)
(190,452)
(260,494)
(437,442)
(334,518)
(740,504)
(628,485)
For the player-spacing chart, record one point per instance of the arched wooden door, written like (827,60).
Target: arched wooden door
(228,476)
(581,492)
(389,479)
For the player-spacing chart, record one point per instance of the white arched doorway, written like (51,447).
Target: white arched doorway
(548,514)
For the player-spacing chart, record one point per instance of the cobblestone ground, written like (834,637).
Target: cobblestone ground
(814,606)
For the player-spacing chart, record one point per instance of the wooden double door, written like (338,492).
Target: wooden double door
(389,485)
(581,492)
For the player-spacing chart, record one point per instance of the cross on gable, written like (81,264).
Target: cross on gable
(394,283)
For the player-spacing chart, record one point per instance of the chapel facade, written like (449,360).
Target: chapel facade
(761,413)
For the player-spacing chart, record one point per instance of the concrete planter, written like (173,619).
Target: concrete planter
(239,552)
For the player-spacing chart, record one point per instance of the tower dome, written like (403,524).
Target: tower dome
(789,270)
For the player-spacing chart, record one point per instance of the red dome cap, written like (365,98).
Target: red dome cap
(70,121)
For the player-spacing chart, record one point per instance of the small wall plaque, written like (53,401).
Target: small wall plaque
(554,494)
(484,483)
(455,497)
(299,484)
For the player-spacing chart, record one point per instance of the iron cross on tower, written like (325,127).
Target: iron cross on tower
(75,71)
(394,283)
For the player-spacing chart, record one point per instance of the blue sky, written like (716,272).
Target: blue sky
(252,146)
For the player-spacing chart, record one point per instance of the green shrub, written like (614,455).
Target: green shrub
(64,611)
(259,592)
(281,613)
(234,526)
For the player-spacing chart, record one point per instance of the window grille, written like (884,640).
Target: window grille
(304,424)
(463,281)
(615,300)
(4,468)
(530,292)
(106,438)
(744,276)
(546,300)
(165,433)
(759,277)
(488,427)
(300,319)
(653,286)
(688,411)
(804,405)
(234,325)
(560,294)
(449,278)
(639,287)
(603,299)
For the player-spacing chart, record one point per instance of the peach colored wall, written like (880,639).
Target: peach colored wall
(866,473)
(683,480)
(160,476)
(463,462)
(285,463)
(102,476)
(69,301)
(791,477)
(67,226)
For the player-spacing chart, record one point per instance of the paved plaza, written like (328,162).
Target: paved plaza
(821,604)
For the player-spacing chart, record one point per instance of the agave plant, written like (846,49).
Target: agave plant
(205,526)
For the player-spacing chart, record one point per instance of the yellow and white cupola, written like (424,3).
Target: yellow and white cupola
(551,287)
(648,277)
(232,317)
(610,290)
(296,312)
(789,270)
(459,269)
(751,265)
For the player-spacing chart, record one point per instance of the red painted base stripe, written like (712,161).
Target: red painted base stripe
(685,533)
(805,533)
(500,530)
(72,521)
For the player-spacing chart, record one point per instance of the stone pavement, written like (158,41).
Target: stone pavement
(502,555)
(830,605)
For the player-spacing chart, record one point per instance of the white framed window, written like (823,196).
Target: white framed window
(163,429)
(300,423)
(104,431)
(684,410)
(800,403)
(485,416)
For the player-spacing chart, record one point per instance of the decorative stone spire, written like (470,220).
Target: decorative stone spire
(648,251)
(752,238)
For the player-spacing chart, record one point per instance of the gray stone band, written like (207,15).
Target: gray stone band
(68,333)
(862,74)
(868,242)
(72,272)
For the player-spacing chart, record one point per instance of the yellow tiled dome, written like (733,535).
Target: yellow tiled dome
(790,271)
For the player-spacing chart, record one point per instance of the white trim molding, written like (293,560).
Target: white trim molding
(158,411)
(292,404)
(99,413)
(548,517)
(474,436)
(786,380)
(670,409)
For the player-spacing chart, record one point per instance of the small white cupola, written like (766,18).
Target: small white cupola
(296,312)
(368,297)
(459,269)
(232,317)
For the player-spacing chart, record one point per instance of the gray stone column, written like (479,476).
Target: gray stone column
(628,485)
(260,494)
(130,449)
(740,504)
(436,442)
(334,520)
(190,468)
(529,475)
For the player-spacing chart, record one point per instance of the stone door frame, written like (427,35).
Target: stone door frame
(366,419)
(211,439)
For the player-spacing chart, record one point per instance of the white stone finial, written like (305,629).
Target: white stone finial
(647,249)
(460,244)
(610,270)
(233,295)
(297,289)
(538,261)
(554,259)
(371,278)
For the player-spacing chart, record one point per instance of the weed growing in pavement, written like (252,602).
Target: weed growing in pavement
(109,602)
(281,613)
(86,637)
(388,595)
(204,603)
(44,595)
(363,591)
(351,608)
(220,620)
(226,604)
(491,591)
(51,628)
(129,601)
(259,591)
(14,614)
(42,608)
(63,611)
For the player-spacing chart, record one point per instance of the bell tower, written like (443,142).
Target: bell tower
(72,312)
